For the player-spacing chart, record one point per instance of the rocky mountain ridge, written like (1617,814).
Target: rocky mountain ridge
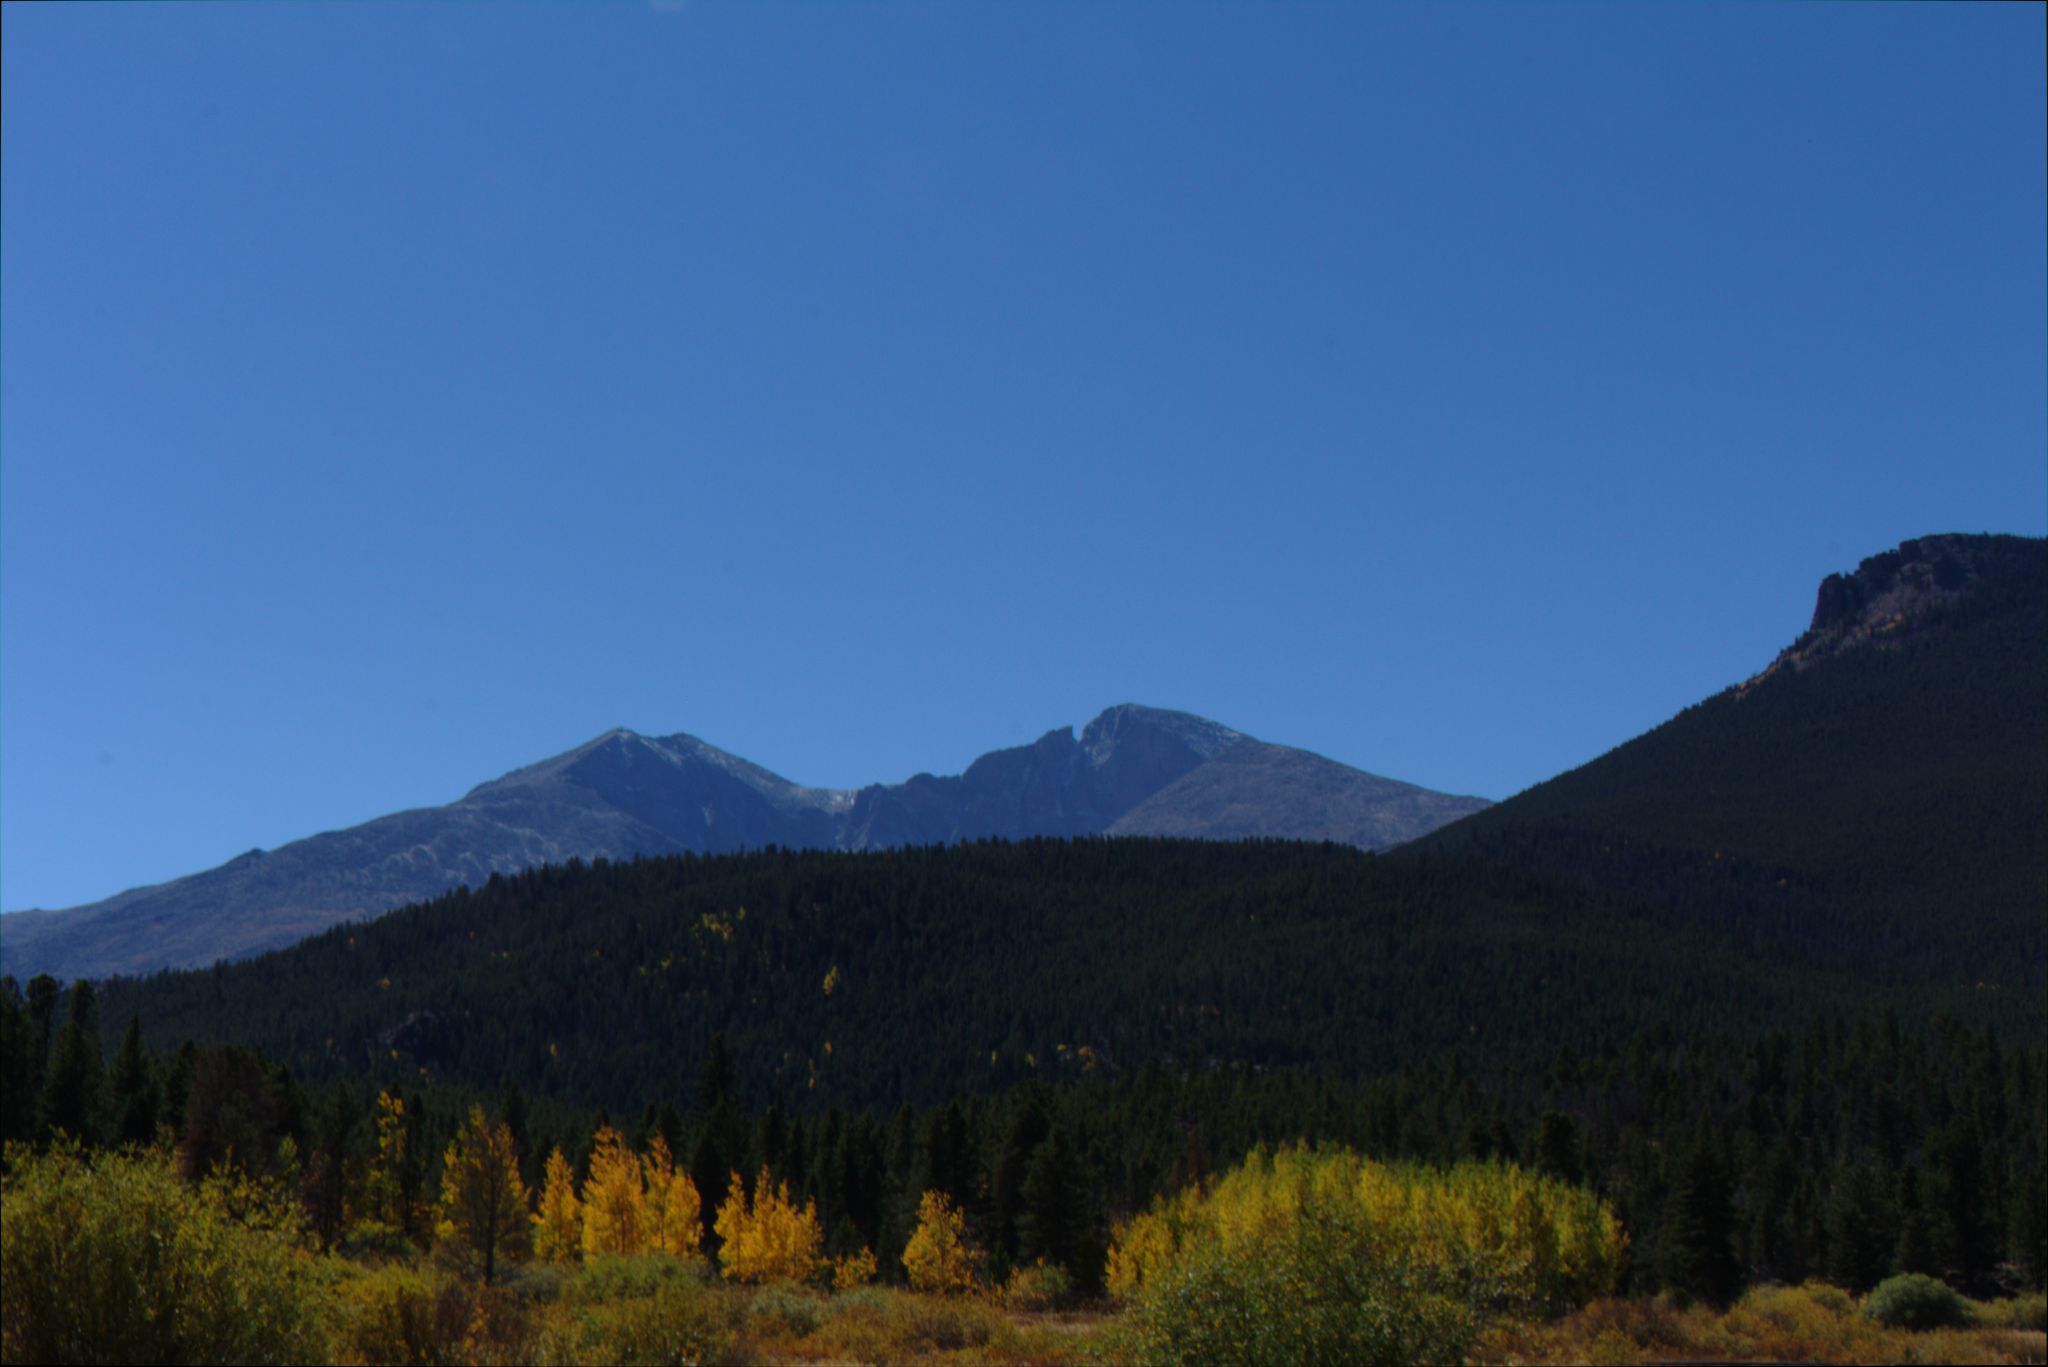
(1133,770)
(1896,590)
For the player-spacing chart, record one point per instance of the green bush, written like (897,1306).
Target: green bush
(396,1314)
(1328,1289)
(611,1278)
(115,1258)
(1831,1298)
(785,1309)
(1041,1286)
(678,1320)
(1915,1301)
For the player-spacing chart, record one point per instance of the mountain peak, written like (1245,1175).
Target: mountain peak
(1897,590)
(1118,724)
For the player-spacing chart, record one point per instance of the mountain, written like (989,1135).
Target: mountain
(1880,789)
(1862,827)
(1132,771)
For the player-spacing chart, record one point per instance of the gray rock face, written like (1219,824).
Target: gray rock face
(1893,592)
(1133,771)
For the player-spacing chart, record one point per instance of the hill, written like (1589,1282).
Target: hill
(1879,792)
(1132,770)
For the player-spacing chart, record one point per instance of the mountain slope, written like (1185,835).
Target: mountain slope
(1882,787)
(623,794)
(1866,830)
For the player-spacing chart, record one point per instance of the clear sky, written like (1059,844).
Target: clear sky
(391,395)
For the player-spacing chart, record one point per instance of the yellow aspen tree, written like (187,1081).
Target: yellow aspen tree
(675,1212)
(558,1224)
(483,1202)
(767,1239)
(853,1270)
(614,1202)
(938,1256)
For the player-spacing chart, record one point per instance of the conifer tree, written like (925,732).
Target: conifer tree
(324,1192)
(1054,1223)
(483,1201)
(18,1065)
(1914,1251)
(71,1093)
(1861,1230)
(390,1191)
(1699,1224)
(1557,1147)
(131,1090)
(2029,1221)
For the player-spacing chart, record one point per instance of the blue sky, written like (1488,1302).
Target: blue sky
(391,395)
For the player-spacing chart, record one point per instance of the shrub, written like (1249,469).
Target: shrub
(2021,1312)
(1916,1301)
(785,1309)
(1322,1254)
(854,1271)
(614,1278)
(115,1258)
(879,1324)
(1041,1286)
(1329,1288)
(403,1315)
(1831,1298)
(678,1320)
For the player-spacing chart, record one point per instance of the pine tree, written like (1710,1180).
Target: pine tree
(1860,1229)
(390,1192)
(20,1066)
(324,1192)
(1699,1224)
(71,1093)
(132,1090)
(1964,1232)
(2029,1222)
(1054,1222)
(483,1202)
(1558,1151)
(1914,1251)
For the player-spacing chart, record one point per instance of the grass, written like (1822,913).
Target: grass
(1813,1322)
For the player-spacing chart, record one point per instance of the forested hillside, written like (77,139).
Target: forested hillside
(907,976)
(1880,794)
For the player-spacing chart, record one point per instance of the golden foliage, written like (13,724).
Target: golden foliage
(1544,1242)
(558,1224)
(674,1210)
(613,1199)
(483,1200)
(853,1270)
(938,1256)
(767,1238)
